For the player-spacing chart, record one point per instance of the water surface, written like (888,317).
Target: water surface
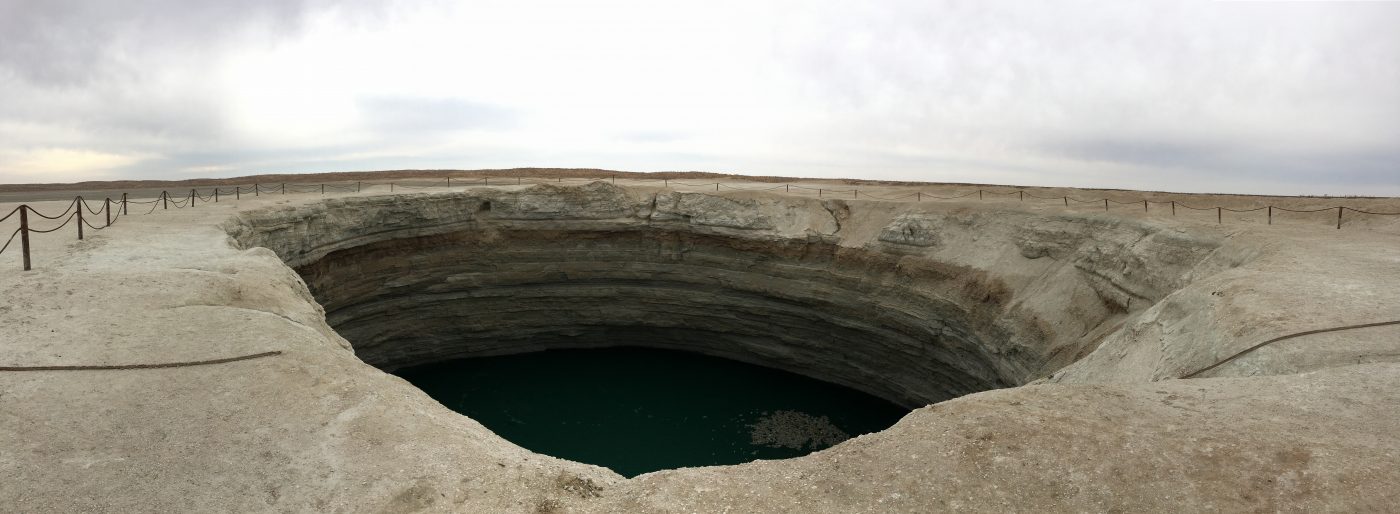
(637,410)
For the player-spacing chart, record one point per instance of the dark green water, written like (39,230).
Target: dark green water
(637,410)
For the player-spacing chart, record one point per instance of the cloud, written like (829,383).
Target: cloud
(415,116)
(1196,95)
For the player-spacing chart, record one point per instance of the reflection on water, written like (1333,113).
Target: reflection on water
(637,410)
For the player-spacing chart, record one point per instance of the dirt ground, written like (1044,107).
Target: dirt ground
(1311,425)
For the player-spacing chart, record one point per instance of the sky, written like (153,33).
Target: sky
(1267,97)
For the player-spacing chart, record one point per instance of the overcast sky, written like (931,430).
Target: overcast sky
(1245,96)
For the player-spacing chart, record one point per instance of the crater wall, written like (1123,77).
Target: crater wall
(914,306)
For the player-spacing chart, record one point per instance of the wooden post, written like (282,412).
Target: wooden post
(517,180)
(284,188)
(357,186)
(81,205)
(323,189)
(24,234)
(216,194)
(123,204)
(665,182)
(614,179)
(165,200)
(1173,207)
(716,186)
(192,197)
(918,196)
(1105,205)
(1217,215)
(1271,215)
(1339,217)
(1144,206)
(787,188)
(391,187)
(819,192)
(1023,195)
(979,194)
(487,180)
(108,205)
(1066,201)
(237,192)
(449,182)
(255,189)
(855,193)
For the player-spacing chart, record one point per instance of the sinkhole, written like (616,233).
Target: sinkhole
(644,330)
(650,349)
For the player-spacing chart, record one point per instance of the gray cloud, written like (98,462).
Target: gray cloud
(1277,96)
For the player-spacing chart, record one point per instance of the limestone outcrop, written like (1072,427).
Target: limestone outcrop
(1074,327)
(786,283)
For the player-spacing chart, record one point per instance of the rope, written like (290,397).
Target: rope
(65,223)
(1347,208)
(142,366)
(89,209)
(7,216)
(65,211)
(1179,204)
(1289,336)
(1312,210)
(11,240)
(91,226)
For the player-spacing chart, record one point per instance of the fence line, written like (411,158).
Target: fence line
(110,216)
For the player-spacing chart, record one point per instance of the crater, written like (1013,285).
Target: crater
(913,307)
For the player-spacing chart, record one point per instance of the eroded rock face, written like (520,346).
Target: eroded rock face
(928,314)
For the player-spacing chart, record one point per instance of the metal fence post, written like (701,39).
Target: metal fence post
(24,234)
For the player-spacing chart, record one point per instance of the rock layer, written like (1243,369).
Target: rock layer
(914,314)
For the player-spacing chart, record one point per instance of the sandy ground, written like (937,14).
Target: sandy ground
(315,429)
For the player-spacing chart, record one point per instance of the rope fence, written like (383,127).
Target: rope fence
(111,211)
